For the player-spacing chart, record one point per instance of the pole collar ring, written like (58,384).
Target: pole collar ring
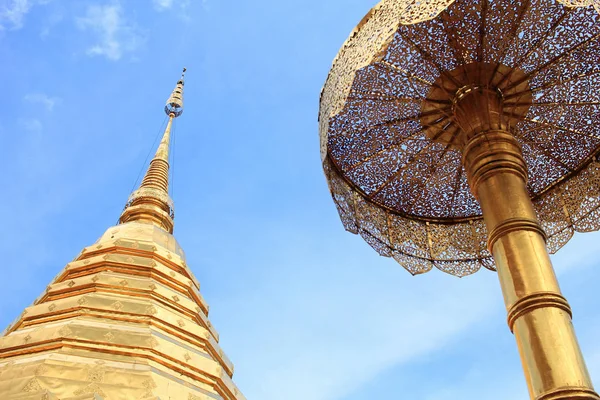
(570,393)
(512,225)
(534,301)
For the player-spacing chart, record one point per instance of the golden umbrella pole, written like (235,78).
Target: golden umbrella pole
(538,314)
(442,130)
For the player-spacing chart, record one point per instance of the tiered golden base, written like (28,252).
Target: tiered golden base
(123,321)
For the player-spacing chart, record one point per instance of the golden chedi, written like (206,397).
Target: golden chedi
(124,320)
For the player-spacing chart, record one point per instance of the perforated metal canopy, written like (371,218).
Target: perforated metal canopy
(391,147)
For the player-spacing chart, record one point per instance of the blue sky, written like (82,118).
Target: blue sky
(305,309)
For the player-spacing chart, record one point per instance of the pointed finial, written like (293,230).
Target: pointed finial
(151,203)
(175,102)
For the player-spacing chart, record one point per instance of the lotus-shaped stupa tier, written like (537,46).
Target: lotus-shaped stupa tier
(393,135)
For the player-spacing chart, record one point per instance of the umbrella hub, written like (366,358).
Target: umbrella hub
(474,98)
(477,109)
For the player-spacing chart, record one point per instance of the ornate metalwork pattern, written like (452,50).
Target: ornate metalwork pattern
(390,142)
(415,11)
(582,3)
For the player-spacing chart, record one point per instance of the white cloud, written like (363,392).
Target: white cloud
(318,331)
(181,5)
(43,99)
(31,124)
(51,21)
(475,384)
(161,5)
(115,35)
(13,12)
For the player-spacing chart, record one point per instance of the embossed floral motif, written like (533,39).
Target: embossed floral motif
(151,310)
(152,342)
(41,370)
(149,385)
(32,385)
(92,388)
(65,331)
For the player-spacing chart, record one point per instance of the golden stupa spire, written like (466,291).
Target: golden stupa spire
(124,320)
(151,203)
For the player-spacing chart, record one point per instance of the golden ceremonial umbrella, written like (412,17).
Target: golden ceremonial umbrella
(462,134)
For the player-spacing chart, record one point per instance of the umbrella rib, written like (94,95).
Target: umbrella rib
(538,144)
(399,171)
(552,61)
(456,47)
(459,174)
(516,25)
(434,169)
(534,129)
(405,72)
(451,41)
(560,128)
(379,152)
(405,119)
(415,157)
(391,146)
(428,57)
(380,97)
(482,29)
(548,104)
(409,76)
(547,154)
(535,46)
(553,83)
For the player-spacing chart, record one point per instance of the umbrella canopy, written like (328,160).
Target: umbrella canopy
(391,142)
